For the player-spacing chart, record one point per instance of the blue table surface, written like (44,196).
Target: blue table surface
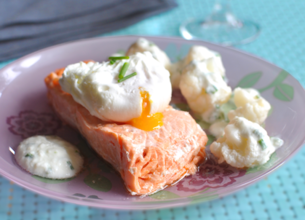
(279,196)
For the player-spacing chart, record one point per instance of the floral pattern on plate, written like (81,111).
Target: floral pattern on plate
(29,123)
(210,175)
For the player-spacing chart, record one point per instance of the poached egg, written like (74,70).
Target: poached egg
(138,101)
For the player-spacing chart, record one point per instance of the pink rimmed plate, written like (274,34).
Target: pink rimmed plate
(25,112)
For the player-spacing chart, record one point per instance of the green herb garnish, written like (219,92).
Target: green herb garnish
(127,77)
(70,164)
(113,59)
(257,97)
(211,90)
(29,155)
(123,70)
(257,133)
(226,108)
(226,80)
(262,143)
(118,58)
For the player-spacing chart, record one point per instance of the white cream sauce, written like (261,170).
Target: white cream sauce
(49,157)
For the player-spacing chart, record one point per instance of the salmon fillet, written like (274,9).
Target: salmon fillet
(147,161)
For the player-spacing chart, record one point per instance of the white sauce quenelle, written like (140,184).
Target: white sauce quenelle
(142,45)
(49,157)
(250,105)
(244,144)
(96,87)
(204,90)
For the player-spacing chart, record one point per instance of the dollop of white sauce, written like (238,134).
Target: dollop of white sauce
(95,86)
(244,144)
(49,157)
(250,105)
(204,90)
(142,45)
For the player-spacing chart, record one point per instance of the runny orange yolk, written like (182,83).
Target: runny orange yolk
(146,121)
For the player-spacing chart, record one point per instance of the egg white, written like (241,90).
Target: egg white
(95,86)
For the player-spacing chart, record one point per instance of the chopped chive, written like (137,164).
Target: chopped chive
(29,155)
(212,90)
(123,70)
(70,164)
(112,62)
(262,143)
(118,58)
(127,77)
(226,80)
(257,133)
(257,97)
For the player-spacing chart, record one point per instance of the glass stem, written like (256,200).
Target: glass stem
(221,14)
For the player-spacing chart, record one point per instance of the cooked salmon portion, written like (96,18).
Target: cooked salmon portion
(147,161)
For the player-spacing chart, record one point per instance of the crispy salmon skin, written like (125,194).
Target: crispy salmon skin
(147,161)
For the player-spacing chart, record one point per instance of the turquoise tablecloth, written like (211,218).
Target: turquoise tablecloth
(279,196)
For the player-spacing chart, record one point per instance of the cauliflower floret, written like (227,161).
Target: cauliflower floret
(200,53)
(197,53)
(175,73)
(250,105)
(217,129)
(244,144)
(142,45)
(204,91)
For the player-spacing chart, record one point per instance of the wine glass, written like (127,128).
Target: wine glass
(221,26)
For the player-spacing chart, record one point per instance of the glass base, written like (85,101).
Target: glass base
(220,32)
